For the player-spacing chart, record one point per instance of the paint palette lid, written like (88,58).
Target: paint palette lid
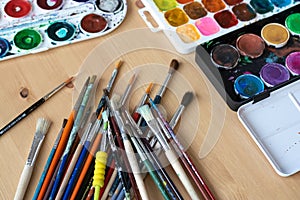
(274,124)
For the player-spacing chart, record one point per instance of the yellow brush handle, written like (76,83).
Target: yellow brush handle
(99,172)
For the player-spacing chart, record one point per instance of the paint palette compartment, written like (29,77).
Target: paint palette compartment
(189,23)
(271,116)
(34,26)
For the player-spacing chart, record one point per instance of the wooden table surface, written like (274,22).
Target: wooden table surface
(226,156)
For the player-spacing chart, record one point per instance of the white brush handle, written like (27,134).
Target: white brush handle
(109,184)
(136,170)
(23,182)
(173,159)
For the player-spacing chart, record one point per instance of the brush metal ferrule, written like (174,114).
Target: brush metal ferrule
(176,116)
(112,80)
(35,146)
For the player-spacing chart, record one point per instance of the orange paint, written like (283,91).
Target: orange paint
(213,5)
(184,1)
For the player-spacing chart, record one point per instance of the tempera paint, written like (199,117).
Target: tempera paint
(17,8)
(213,5)
(195,10)
(165,5)
(225,56)
(248,85)
(93,23)
(176,17)
(293,63)
(274,74)
(226,19)
(4,47)
(232,2)
(50,4)
(262,6)
(27,39)
(275,34)
(292,23)
(207,26)
(250,45)
(184,1)
(244,12)
(188,33)
(61,31)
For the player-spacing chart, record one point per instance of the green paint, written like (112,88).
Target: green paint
(292,22)
(164,5)
(27,39)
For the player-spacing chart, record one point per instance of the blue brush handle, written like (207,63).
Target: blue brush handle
(76,170)
(114,186)
(40,183)
(121,195)
(117,191)
(58,177)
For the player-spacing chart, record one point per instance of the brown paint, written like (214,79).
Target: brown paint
(93,23)
(250,45)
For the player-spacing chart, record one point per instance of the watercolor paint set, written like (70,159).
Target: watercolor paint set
(189,23)
(35,26)
(256,69)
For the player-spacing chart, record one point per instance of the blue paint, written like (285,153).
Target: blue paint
(281,3)
(4,47)
(248,85)
(262,6)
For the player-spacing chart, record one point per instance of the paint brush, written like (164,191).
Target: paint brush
(173,67)
(186,160)
(42,127)
(48,162)
(114,74)
(72,136)
(61,145)
(128,89)
(34,106)
(146,113)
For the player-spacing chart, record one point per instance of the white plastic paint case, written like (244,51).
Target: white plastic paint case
(274,125)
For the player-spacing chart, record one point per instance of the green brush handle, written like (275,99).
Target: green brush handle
(156,180)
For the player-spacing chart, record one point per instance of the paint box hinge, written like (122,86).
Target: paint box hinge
(261,96)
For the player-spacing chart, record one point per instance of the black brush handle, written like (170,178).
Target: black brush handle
(21,116)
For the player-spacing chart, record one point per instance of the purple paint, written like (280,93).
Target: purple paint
(207,26)
(292,62)
(274,74)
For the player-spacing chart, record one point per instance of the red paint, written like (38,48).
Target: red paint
(226,19)
(17,8)
(93,23)
(232,2)
(45,5)
(184,1)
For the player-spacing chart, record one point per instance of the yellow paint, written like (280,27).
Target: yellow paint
(275,34)
(188,33)
(176,17)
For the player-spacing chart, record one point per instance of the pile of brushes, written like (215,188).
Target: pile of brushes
(111,152)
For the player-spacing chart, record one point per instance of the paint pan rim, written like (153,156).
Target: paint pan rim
(289,28)
(258,81)
(271,43)
(284,74)
(35,32)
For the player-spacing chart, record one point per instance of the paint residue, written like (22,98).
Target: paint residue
(213,5)
(194,10)
(188,33)
(49,4)
(281,3)
(244,12)
(262,6)
(61,31)
(226,19)
(176,17)
(17,8)
(108,5)
(207,26)
(27,39)
(225,56)
(165,5)
(93,23)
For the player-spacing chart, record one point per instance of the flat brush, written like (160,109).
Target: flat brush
(41,130)
(173,67)
(34,106)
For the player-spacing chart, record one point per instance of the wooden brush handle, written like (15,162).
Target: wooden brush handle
(172,157)
(23,182)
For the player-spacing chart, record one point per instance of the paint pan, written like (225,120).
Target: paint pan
(207,26)
(275,34)
(244,12)
(61,31)
(4,47)
(93,23)
(27,39)
(250,45)
(194,10)
(176,17)
(226,19)
(188,33)
(293,63)
(225,56)
(18,8)
(108,5)
(274,74)
(49,5)
(248,85)
(292,23)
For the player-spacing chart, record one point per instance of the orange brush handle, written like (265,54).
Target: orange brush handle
(58,153)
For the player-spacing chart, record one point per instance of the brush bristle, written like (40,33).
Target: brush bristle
(118,64)
(173,65)
(42,126)
(105,92)
(149,88)
(105,116)
(146,113)
(187,98)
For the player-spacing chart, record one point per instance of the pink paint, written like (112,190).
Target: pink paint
(207,26)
